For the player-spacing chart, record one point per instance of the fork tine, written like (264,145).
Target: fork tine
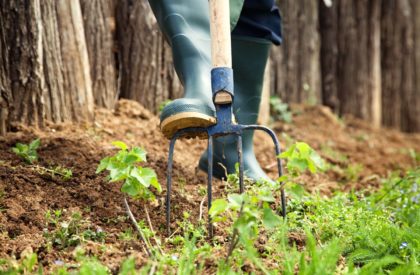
(241,163)
(209,182)
(169,183)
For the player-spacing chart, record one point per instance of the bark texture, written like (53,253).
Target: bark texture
(22,56)
(350,54)
(99,26)
(45,70)
(296,64)
(69,95)
(400,64)
(147,73)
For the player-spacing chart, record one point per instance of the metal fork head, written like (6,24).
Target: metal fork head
(222,81)
(223,127)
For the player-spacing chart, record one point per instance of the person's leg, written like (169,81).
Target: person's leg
(185,25)
(257,28)
(260,19)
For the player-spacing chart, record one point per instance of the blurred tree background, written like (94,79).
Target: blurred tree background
(60,58)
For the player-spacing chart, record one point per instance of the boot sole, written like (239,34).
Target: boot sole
(172,124)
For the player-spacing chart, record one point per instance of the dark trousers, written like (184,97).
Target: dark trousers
(260,19)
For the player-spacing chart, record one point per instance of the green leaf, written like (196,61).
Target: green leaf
(119,144)
(297,164)
(266,197)
(236,200)
(117,173)
(129,159)
(288,153)
(155,183)
(218,206)
(297,190)
(317,160)
(304,149)
(22,147)
(140,153)
(131,187)
(270,219)
(102,165)
(143,175)
(35,144)
(283,178)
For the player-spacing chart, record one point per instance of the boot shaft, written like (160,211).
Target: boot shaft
(249,59)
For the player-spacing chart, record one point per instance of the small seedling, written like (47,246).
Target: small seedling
(27,151)
(301,157)
(126,235)
(65,232)
(415,156)
(137,182)
(62,172)
(352,171)
(27,264)
(163,104)
(280,110)
(123,166)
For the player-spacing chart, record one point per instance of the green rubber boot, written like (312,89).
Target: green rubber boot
(185,24)
(249,58)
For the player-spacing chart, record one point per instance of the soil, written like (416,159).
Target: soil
(359,155)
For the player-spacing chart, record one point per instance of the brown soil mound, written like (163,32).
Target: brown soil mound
(359,154)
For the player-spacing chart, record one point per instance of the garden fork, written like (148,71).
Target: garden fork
(223,96)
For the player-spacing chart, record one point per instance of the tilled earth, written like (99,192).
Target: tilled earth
(359,156)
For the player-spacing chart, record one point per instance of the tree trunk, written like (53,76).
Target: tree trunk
(5,90)
(45,63)
(296,63)
(350,32)
(99,25)
(329,55)
(147,73)
(22,37)
(414,108)
(400,59)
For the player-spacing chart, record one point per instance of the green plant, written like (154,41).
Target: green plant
(27,264)
(62,231)
(163,104)
(137,182)
(301,157)
(27,151)
(280,110)
(62,172)
(248,212)
(402,196)
(415,156)
(123,166)
(251,211)
(378,233)
(126,235)
(352,171)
